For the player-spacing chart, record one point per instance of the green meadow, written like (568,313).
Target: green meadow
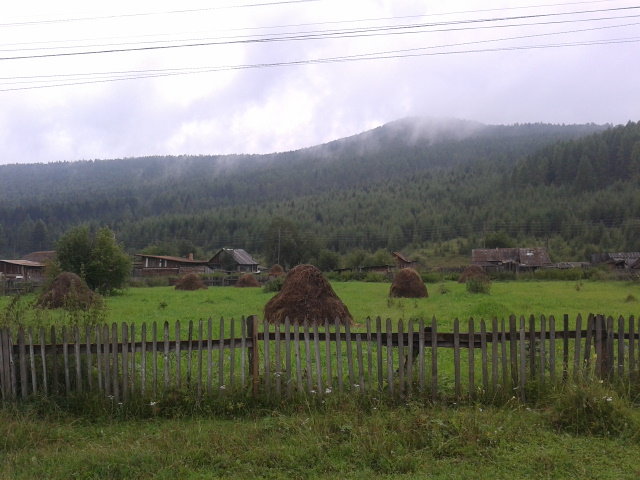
(446,301)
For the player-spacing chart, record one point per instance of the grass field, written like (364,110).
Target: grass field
(446,301)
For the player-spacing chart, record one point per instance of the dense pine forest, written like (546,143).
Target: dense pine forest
(412,184)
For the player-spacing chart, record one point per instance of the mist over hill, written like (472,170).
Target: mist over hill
(409,183)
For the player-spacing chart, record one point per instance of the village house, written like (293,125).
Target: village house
(233,260)
(510,259)
(24,270)
(157,265)
(402,261)
(619,260)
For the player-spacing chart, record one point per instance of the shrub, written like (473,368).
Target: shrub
(375,277)
(592,410)
(274,285)
(478,285)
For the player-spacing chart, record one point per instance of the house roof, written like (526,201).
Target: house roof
(401,257)
(40,257)
(531,257)
(173,259)
(240,256)
(24,263)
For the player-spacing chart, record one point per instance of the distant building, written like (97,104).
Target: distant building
(233,260)
(22,270)
(157,265)
(510,259)
(402,261)
(621,260)
(41,257)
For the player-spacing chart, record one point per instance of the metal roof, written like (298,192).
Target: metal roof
(173,259)
(24,263)
(240,256)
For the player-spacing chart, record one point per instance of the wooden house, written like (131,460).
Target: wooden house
(402,261)
(233,260)
(156,265)
(41,257)
(24,270)
(619,260)
(510,259)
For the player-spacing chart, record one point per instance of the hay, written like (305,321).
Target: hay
(408,284)
(306,295)
(68,291)
(190,281)
(473,272)
(276,271)
(247,280)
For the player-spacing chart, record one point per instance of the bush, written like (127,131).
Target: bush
(375,277)
(478,285)
(592,410)
(274,285)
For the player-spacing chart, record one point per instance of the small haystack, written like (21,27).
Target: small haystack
(276,271)
(306,295)
(473,271)
(69,291)
(190,281)
(408,284)
(247,280)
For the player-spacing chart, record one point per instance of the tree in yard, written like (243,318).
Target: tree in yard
(97,258)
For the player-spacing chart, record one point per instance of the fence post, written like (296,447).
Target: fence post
(254,356)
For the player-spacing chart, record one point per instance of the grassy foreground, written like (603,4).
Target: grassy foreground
(342,440)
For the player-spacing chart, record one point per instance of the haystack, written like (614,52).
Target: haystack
(247,280)
(190,281)
(473,271)
(69,291)
(408,284)
(306,295)
(276,271)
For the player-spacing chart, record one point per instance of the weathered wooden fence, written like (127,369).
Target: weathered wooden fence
(413,358)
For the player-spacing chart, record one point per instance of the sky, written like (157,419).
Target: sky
(100,80)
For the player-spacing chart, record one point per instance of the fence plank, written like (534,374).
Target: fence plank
(178,336)
(456,357)
(410,355)
(532,346)
(421,374)
(232,354)
(588,341)
(296,341)
(576,349)
(252,332)
(609,349)
(154,357)
(209,354)
(632,343)
(565,347)
(495,359)
(523,358)
(599,347)
(167,378)
(389,356)
(32,362)
(471,358)
(503,352)
(360,362)
(221,384)
(43,362)
(401,356)
(620,359)
(307,356)
(106,356)
(114,367)
(12,366)
(125,362)
(267,356)
(22,362)
(316,348)
(190,354)
(339,355)
(369,351)
(552,349)
(434,359)
(243,351)
(287,355)
(65,357)
(379,353)
(278,361)
(543,349)
(78,360)
(352,377)
(89,357)
(327,347)
(485,356)
(143,360)
(513,350)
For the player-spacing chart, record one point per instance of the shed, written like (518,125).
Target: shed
(157,265)
(621,260)
(510,259)
(233,259)
(402,261)
(22,270)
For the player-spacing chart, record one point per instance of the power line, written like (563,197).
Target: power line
(146,14)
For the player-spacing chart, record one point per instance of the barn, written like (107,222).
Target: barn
(510,259)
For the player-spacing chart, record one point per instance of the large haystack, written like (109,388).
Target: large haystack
(69,291)
(276,271)
(306,295)
(473,272)
(408,284)
(247,280)
(190,281)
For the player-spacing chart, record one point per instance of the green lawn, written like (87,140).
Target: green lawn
(556,298)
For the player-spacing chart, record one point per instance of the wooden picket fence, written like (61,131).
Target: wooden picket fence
(400,358)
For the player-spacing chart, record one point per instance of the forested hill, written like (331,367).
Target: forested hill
(408,183)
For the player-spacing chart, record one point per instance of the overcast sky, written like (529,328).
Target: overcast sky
(260,76)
